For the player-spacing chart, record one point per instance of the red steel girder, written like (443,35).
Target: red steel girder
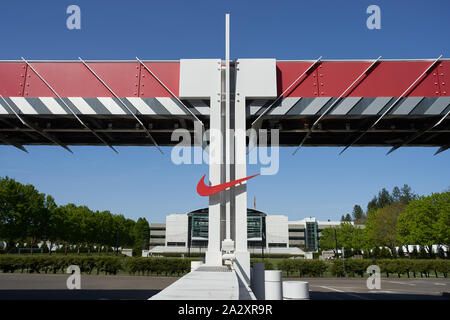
(72,79)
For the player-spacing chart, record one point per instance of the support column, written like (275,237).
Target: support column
(240,191)
(201,79)
(255,78)
(216,176)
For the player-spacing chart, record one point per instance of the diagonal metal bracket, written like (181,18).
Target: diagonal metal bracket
(394,104)
(168,90)
(121,102)
(415,136)
(12,143)
(42,133)
(335,102)
(442,149)
(287,89)
(256,125)
(68,107)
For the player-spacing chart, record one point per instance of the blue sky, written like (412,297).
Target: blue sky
(139,181)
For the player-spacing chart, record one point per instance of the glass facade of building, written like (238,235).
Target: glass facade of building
(311,236)
(198,228)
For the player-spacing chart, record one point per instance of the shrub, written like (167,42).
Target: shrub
(442,266)
(108,264)
(308,268)
(268,265)
(356,266)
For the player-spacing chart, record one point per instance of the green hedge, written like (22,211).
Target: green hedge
(268,265)
(159,266)
(88,264)
(272,255)
(304,268)
(181,254)
(396,267)
(42,263)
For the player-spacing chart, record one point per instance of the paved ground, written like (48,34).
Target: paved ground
(45,286)
(93,287)
(391,289)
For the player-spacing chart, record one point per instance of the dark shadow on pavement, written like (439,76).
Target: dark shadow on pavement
(77,294)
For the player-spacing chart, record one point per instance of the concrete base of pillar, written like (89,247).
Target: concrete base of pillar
(213,258)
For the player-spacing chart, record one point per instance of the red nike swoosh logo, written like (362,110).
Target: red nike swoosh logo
(205,190)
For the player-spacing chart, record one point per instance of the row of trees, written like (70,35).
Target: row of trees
(395,220)
(401,195)
(32,217)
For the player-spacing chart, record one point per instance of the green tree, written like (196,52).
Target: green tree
(141,236)
(381,226)
(327,240)
(426,221)
(357,213)
(55,223)
(407,195)
(347,236)
(105,228)
(22,213)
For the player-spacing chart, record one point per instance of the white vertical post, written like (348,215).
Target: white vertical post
(227,127)
(240,191)
(214,255)
(254,78)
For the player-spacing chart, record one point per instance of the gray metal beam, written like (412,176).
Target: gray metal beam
(12,143)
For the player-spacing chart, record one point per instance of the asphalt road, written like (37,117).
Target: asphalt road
(391,289)
(100,287)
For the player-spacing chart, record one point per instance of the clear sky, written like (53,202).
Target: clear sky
(139,181)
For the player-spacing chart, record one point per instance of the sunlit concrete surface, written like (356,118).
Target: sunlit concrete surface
(203,284)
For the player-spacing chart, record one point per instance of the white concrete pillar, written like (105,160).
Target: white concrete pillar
(213,255)
(240,191)
(295,290)
(273,285)
(201,79)
(255,78)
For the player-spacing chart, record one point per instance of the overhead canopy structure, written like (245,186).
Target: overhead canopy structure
(318,103)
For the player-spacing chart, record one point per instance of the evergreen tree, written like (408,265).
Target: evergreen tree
(396,194)
(357,213)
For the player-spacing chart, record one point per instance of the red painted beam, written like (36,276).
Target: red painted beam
(130,79)
(386,79)
(73,79)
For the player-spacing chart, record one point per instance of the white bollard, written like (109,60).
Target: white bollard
(295,290)
(257,280)
(195,264)
(272,285)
